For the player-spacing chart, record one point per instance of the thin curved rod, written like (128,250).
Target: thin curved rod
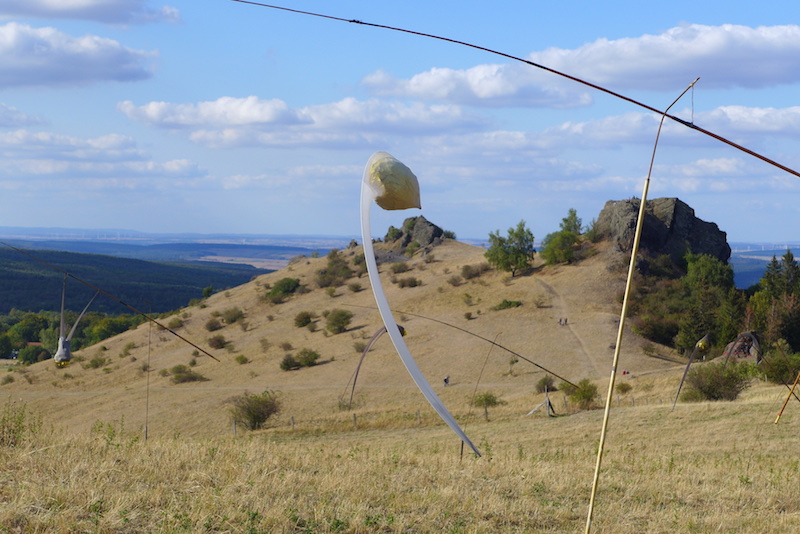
(623,313)
(600,88)
(367,196)
(498,345)
(701,345)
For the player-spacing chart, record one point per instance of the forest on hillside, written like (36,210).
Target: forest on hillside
(28,284)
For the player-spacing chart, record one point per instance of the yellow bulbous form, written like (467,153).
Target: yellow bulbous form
(702,345)
(394,185)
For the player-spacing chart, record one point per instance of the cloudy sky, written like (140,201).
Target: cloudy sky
(218,116)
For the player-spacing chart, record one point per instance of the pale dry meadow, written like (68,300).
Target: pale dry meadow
(77,460)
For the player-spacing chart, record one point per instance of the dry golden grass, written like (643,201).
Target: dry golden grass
(717,467)
(395,468)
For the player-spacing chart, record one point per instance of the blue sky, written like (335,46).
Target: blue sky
(217,116)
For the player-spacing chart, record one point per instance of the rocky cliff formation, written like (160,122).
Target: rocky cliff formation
(670,227)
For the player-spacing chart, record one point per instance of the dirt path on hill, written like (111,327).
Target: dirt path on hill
(562,310)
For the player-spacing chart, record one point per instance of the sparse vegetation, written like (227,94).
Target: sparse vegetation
(232,315)
(282,289)
(252,411)
(182,373)
(623,388)
(217,342)
(213,324)
(716,381)
(337,321)
(585,395)
(307,357)
(546,383)
(486,400)
(506,304)
(241,359)
(409,282)
(336,272)
(304,318)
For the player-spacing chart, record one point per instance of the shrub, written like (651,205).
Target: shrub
(288,363)
(355,287)
(282,289)
(585,395)
(400,267)
(780,370)
(286,345)
(486,400)
(566,388)
(359,346)
(265,344)
(217,342)
(6,380)
(231,315)
(181,374)
(623,388)
(412,248)
(96,363)
(338,321)
(303,318)
(717,381)
(336,272)
(393,234)
(307,357)
(213,324)
(241,359)
(252,411)
(468,272)
(409,282)
(506,304)
(32,354)
(455,280)
(175,323)
(546,383)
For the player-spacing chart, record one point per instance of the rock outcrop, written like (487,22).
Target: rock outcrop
(670,227)
(415,229)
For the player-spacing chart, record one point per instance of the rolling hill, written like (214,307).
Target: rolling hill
(116,382)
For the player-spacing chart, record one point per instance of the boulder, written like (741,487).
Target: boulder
(417,229)
(670,227)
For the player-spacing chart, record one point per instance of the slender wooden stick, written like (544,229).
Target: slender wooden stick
(789,396)
(629,282)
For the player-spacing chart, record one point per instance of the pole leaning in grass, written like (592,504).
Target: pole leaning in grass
(393,186)
(628,283)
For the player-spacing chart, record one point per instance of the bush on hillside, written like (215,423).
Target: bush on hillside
(546,383)
(337,321)
(282,289)
(182,373)
(585,395)
(303,318)
(252,411)
(717,381)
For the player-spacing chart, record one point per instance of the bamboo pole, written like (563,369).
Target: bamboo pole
(626,298)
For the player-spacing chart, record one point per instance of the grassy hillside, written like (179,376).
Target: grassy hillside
(29,285)
(390,465)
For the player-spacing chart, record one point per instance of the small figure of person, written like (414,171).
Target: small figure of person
(447,381)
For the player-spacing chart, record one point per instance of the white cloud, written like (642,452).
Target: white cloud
(110,160)
(223,112)
(495,85)
(723,56)
(108,11)
(250,121)
(28,144)
(47,57)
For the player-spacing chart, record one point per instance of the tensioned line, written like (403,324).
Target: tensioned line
(688,124)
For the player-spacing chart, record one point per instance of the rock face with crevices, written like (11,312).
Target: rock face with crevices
(670,227)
